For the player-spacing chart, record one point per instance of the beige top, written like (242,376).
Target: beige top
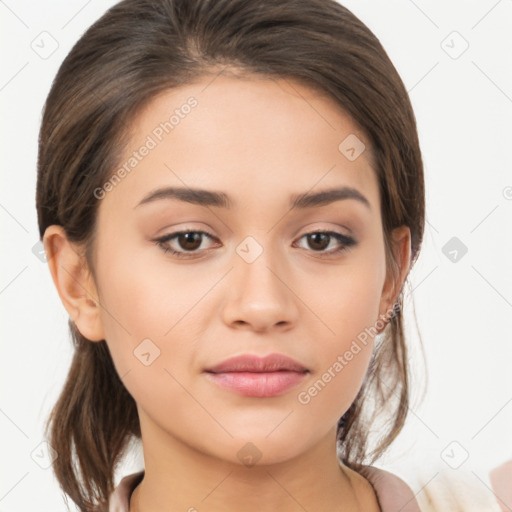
(501,482)
(392,492)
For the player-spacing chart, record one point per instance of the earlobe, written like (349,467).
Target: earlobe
(401,238)
(74,282)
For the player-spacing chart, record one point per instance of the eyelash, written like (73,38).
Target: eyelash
(346,241)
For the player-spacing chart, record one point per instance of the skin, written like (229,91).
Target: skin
(258,140)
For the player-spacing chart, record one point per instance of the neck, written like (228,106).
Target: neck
(179,478)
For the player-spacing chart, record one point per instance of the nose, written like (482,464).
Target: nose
(260,297)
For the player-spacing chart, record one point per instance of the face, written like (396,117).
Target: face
(247,276)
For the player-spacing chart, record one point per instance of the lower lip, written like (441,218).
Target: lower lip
(261,385)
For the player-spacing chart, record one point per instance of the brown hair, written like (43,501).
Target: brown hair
(140,48)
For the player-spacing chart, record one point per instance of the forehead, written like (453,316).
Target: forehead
(256,138)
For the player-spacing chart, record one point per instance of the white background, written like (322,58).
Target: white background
(463,107)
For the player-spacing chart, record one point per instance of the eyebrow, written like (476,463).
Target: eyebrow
(222,200)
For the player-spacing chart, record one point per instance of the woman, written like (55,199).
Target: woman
(231,197)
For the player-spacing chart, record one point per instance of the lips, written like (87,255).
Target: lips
(251,363)
(255,376)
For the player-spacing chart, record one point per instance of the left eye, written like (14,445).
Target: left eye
(322,239)
(190,241)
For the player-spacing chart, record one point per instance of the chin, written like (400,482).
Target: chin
(260,450)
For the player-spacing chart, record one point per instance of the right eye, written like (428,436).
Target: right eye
(188,242)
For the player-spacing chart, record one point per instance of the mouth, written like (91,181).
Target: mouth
(255,376)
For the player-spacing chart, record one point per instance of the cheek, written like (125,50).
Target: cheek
(149,328)
(350,314)
(152,315)
(330,391)
(141,299)
(342,356)
(350,304)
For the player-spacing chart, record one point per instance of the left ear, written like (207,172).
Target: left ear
(395,277)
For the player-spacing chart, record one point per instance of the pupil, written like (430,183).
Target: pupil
(190,238)
(316,236)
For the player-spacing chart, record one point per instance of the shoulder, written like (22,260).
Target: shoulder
(119,500)
(391,491)
(501,481)
(445,489)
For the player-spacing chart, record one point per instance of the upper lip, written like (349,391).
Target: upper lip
(253,363)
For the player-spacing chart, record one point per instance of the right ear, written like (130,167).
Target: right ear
(74,282)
